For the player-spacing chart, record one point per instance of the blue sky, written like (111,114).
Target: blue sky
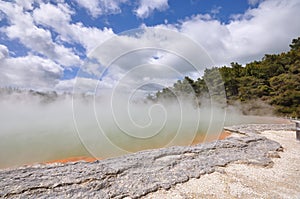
(177,10)
(44,43)
(126,19)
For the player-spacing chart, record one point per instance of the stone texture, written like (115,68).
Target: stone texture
(254,129)
(247,181)
(138,174)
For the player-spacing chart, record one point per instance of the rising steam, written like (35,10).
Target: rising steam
(115,118)
(35,131)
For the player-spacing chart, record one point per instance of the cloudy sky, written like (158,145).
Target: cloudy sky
(48,44)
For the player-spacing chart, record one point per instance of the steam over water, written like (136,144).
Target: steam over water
(115,120)
(34,131)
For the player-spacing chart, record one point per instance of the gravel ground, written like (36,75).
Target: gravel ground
(280,180)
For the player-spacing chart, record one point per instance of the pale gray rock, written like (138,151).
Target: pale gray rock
(140,173)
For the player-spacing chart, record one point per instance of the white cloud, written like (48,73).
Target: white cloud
(28,72)
(140,48)
(267,29)
(59,18)
(26,4)
(79,85)
(153,56)
(87,85)
(254,2)
(3,52)
(146,7)
(258,31)
(216,10)
(35,38)
(31,71)
(92,6)
(100,7)
(53,15)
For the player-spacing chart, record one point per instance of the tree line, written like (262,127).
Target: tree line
(274,80)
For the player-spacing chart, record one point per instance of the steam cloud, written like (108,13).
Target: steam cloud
(35,131)
(116,119)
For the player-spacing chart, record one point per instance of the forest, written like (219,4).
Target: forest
(273,82)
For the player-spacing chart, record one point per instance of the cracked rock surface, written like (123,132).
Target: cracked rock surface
(138,174)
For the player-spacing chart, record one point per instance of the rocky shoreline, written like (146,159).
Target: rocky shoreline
(141,173)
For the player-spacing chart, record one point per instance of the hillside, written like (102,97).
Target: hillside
(273,82)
